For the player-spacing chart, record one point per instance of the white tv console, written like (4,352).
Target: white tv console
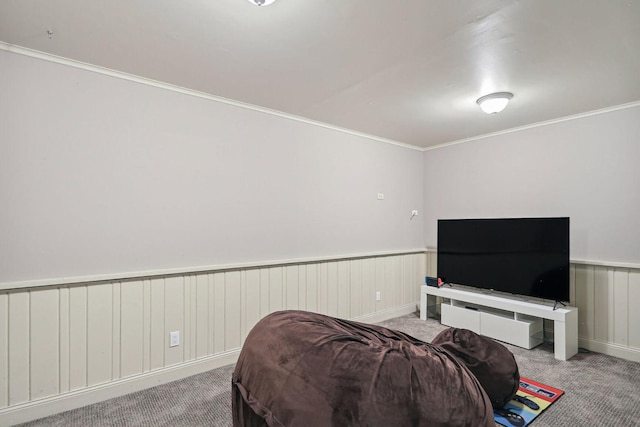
(506,319)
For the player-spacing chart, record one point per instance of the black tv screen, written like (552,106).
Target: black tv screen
(525,256)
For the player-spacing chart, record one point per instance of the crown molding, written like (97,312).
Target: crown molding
(538,124)
(190,92)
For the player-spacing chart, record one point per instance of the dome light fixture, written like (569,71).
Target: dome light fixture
(262,2)
(494,102)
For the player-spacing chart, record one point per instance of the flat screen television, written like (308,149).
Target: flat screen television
(524,256)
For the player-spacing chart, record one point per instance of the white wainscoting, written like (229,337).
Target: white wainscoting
(608,299)
(68,345)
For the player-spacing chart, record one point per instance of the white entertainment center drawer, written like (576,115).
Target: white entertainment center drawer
(522,332)
(460,317)
(517,329)
(511,320)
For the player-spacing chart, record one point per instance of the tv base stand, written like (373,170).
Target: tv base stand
(506,319)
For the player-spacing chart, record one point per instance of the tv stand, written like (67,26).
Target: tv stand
(506,319)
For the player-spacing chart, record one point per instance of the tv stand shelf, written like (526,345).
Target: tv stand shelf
(506,319)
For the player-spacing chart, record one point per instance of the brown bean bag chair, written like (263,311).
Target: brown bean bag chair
(491,362)
(299,368)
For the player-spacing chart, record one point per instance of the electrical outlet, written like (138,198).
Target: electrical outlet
(380,196)
(174,338)
(378,296)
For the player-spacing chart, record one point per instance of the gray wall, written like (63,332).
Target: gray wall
(103,175)
(587,169)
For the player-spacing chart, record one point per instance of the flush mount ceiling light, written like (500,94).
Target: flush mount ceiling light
(494,102)
(262,2)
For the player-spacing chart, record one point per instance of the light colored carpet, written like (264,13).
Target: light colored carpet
(599,390)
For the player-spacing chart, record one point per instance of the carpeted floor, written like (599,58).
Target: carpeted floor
(599,390)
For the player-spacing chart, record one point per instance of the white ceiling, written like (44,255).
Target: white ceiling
(404,70)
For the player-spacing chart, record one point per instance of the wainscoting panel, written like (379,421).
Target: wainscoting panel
(131,329)
(634,309)
(77,333)
(19,348)
(62,344)
(156,324)
(44,343)
(4,351)
(432,263)
(607,298)
(99,333)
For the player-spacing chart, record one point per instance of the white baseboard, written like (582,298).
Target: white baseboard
(623,352)
(388,313)
(64,402)
(610,349)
